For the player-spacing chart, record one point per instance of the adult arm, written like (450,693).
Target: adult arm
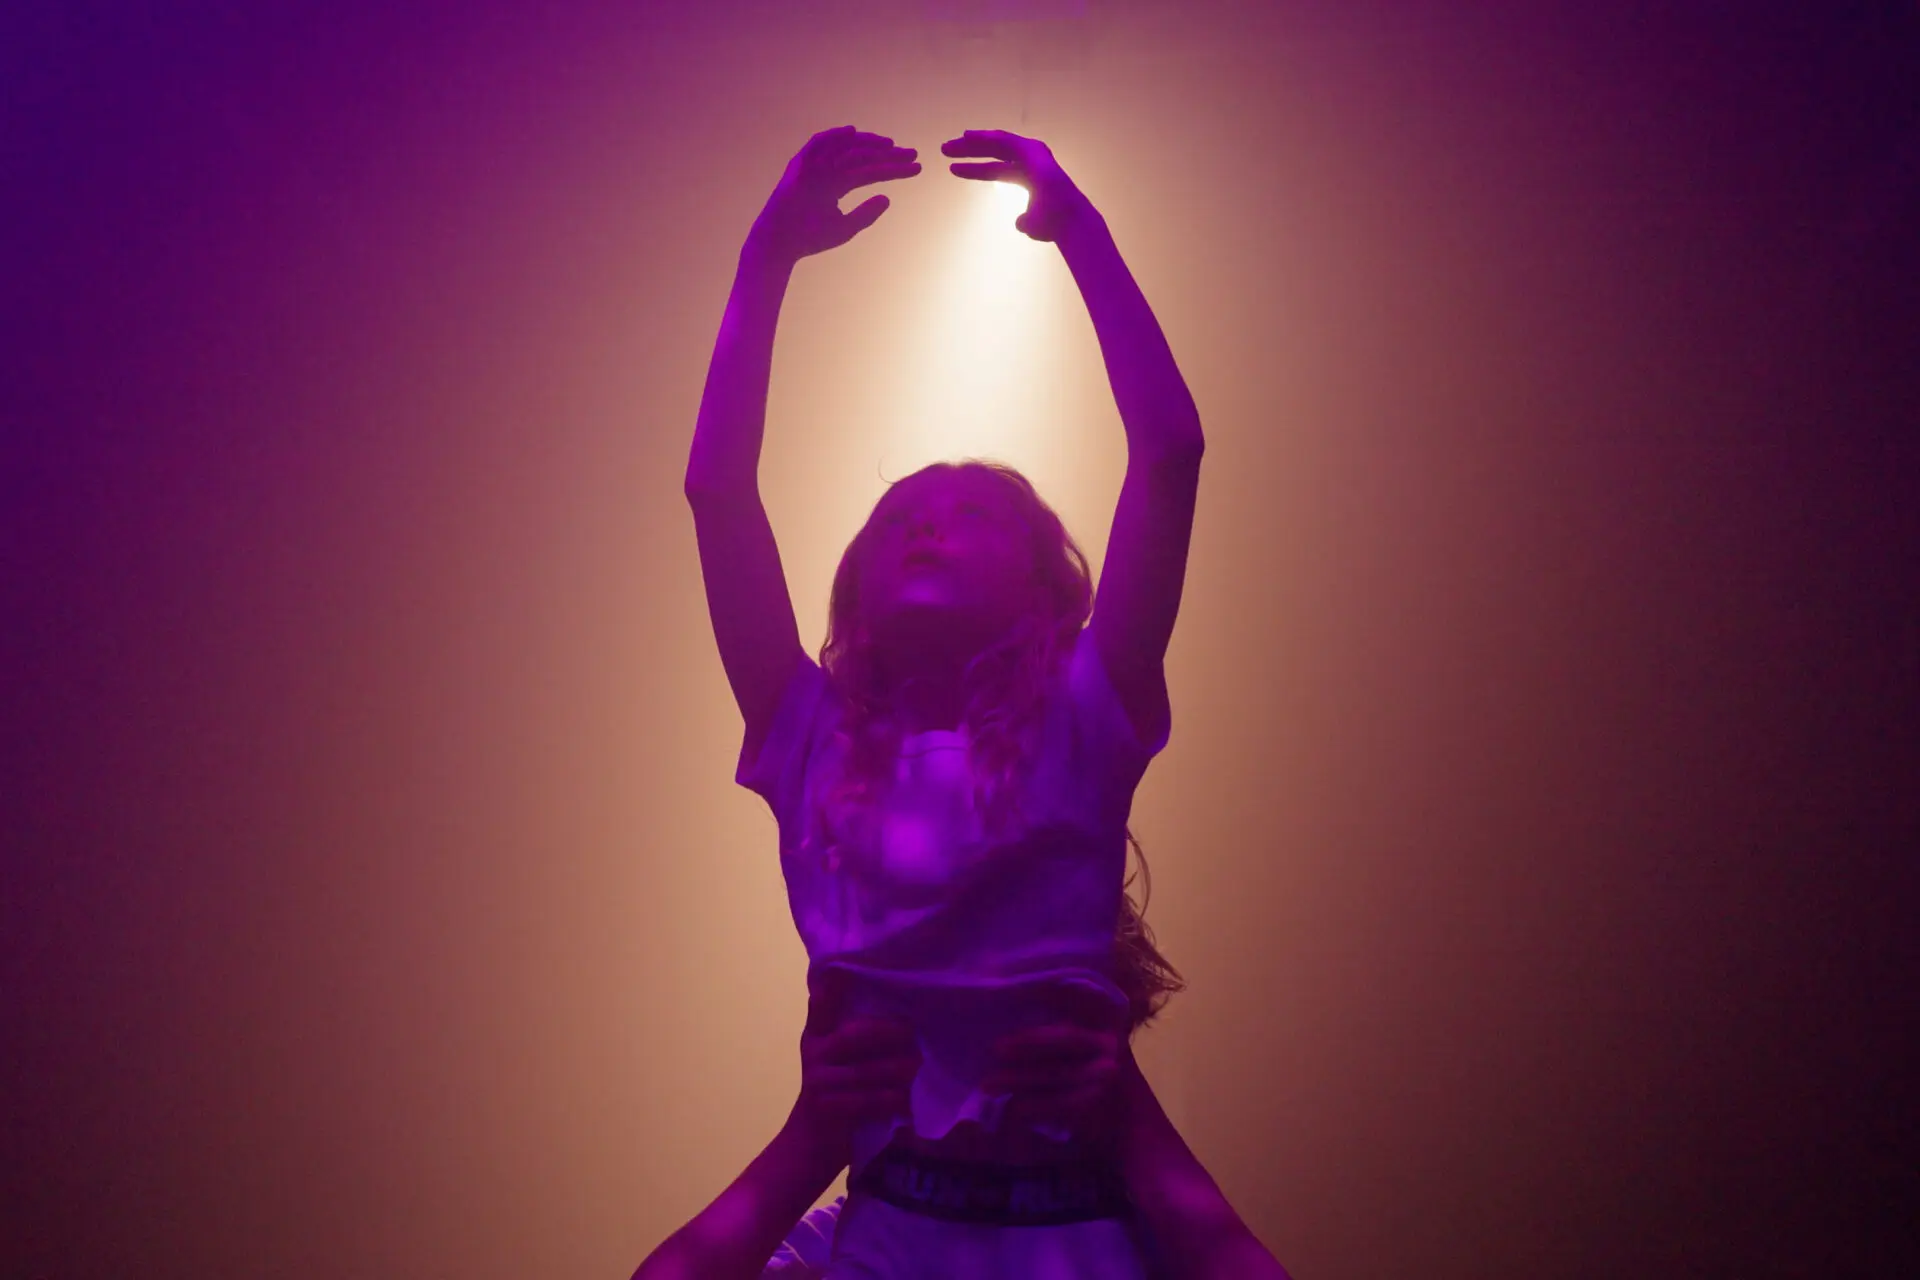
(1080,1072)
(851,1069)
(732,1238)
(1197,1233)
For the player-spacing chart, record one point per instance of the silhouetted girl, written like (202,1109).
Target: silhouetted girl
(952,779)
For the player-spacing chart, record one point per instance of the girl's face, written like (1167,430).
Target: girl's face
(948,549)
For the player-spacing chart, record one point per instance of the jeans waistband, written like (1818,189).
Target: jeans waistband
(1001,1195)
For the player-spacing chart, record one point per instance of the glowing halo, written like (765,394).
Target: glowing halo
(1009,198)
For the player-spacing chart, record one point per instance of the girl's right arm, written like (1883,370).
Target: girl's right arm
(747,595)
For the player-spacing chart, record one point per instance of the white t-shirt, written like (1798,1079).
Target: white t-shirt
(961,932)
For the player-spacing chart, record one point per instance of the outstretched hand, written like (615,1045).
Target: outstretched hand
(1054,204)
(803,215)
(1065,1072)
(852,1068)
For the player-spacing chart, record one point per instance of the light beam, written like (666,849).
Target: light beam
(975,392)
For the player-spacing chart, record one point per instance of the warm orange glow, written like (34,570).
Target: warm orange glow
(377,900)
(986,333)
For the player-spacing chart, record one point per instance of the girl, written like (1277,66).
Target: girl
(952,779)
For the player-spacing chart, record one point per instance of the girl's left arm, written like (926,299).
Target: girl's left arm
(1146,561)
(1147,551)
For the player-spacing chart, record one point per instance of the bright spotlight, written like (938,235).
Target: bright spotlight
(979,386)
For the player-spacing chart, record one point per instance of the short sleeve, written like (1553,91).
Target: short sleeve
(808,1247)
(1102,729)
(777,773)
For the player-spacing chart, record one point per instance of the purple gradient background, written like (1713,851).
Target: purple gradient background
(1538,832)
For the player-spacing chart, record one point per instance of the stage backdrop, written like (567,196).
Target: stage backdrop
(377,901)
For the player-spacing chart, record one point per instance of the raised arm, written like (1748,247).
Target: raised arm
(1146,561)
(747,595)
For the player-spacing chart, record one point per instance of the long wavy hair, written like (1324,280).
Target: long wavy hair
(1144,976)
(1002,692)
